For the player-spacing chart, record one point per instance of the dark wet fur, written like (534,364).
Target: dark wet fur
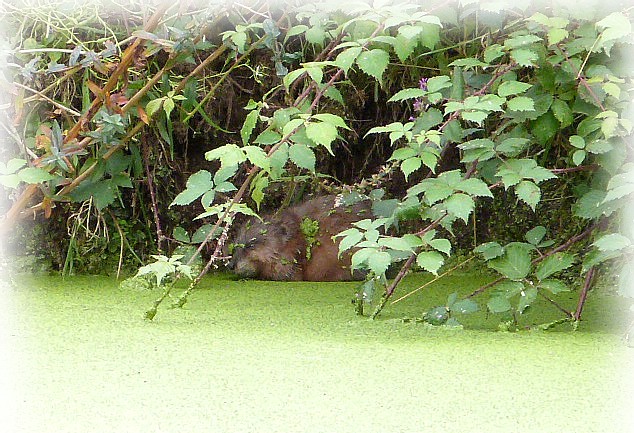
(275,249)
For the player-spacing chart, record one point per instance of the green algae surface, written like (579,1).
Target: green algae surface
(253,356)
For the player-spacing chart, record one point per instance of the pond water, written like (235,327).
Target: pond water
(252,356)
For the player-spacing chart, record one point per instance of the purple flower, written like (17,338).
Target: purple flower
(418,105)
(422,83)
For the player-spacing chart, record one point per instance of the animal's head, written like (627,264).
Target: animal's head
(265,249)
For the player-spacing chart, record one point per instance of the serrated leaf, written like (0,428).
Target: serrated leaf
(489,250)
(332,119)
(612,242)
(577,141)
(554,286)
(410,165)
(521,103)
(351,237)
(464,306)
(33,175)
(460,205)
(535,235)
(553,264)
(493,52)
(398,244)
(509,88)
(180,235)
(346,58)
(373,62)
(229,155)
(524,57)
(498,304)
(430,261)
(302,156)
(527,297)
(437,83)
(379,262)
(257,156)
(292,76)
(578,157)
(562,112)
(529,193)
(197,184)
(267,137)
(515,264)
(322,133)
(468,63)
(407,94)
(475,186)
(442,245)
(248,126)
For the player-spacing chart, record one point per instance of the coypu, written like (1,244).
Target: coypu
(296,244)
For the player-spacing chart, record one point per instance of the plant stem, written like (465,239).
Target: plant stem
(584,294)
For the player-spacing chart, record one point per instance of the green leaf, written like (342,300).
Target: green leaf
(489,250)
(407,94)
(410,165)
(346,58)
(291,77)
(578,157)
(322,133)
(248,125)
(509,88)
(379,262)
(315,35)
(553,264)
(153,106)
(475,186)
(529,193)
(291,126)
(442,245)
(302,156)
(464,306)
(267,137)
(554,286)
(612,242)
(12,166)
(404,47)
(437,83)
(197,184)
(160,269)
(577,141)
(34,175)
(493,52)
(229,155)
(527,297)
(332,119)
(535,235)
(430,261)
(315,73)
(498,304)
(556,35)
(616,26)
(351,237)
(521,103)
(461,205)
(562,112)
(257,156)
(181,235)
(468,63)
(515,264)
(398,244)
(374,62)
(524,57)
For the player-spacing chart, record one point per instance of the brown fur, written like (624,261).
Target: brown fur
(275,249)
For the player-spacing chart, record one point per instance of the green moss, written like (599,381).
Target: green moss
(310,231)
